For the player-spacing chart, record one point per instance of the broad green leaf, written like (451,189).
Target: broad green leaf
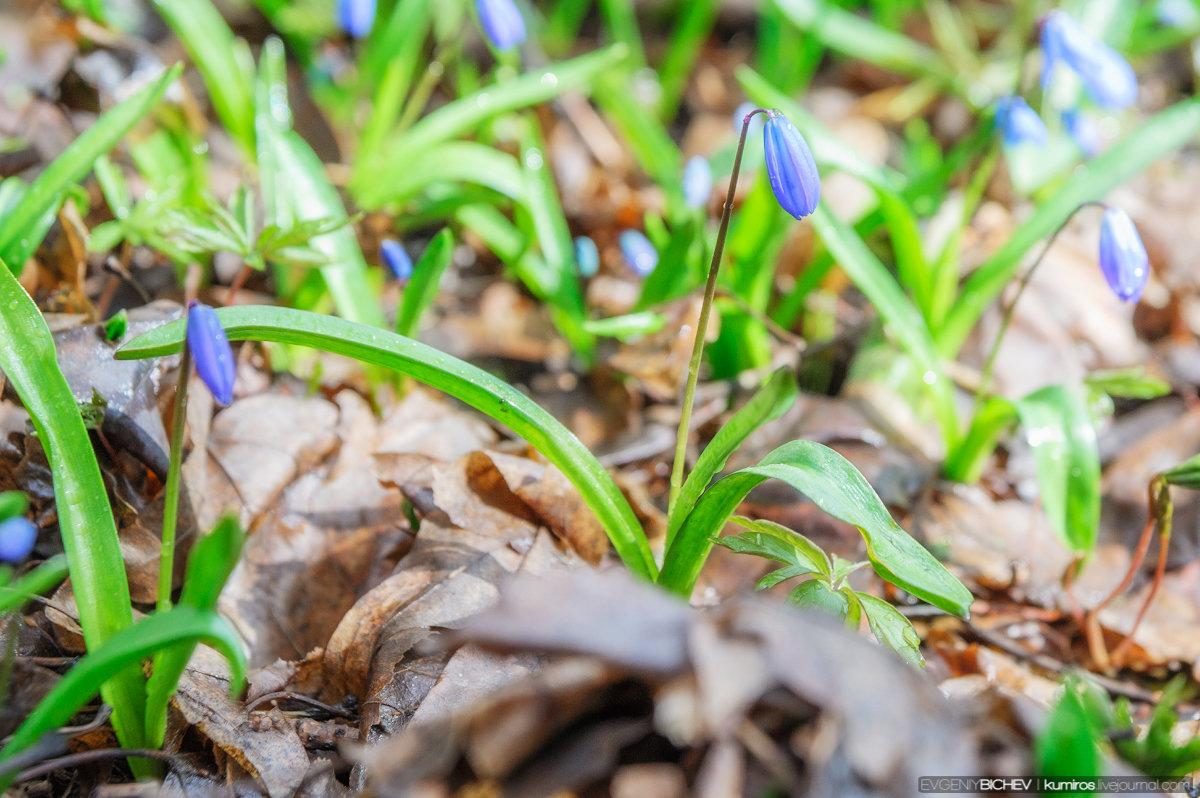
(466,113)
(1058,426)
(1185,475)
(803,551)
(836,486)
(772,400)
(296,189)
(901,316)
(422,288)
(1164,133)
(50,573)
(210,563)
(118,654)
(26,223)
(777,577)
(815,594)
(855,36)
(463,381)
(29,361)
(892,629)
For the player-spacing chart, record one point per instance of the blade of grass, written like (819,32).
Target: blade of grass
(36,582)
(693,23)
(469,384)
(422,288)
(24,226)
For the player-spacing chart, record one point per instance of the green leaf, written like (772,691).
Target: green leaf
(800,549)
(1058,426)
(29,361)
(775,577)
(12,504)
(1184,475)
(1130,383)
(124,650)
(1066,747)
(627,327)
(1164,133)
(210,563)
(211,45)
(815,594)
(455,161)
(423,286)
(24,226)
(463,381)
(892,629)
(777,394)
(836,486)
(50,573)
(900,315)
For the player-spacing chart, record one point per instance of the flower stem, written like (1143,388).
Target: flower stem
(166,562)
(710,289)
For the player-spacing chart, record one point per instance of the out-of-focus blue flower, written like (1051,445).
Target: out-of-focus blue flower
(356,16)
(17,536)
(1177,13)
(396,259)
(697,182)
(587,257)
(1019,123)
(790,165)
(210,351)
(639,253)
(502,22)
(1123,258)
(1107,76)
(1084,130)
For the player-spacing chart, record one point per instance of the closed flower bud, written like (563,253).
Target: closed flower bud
(697,182)
(639,253)
(587,257)
(17,536)
(790,165)
(356,16)
(210,351)
(1083,130)
(396,259)
(1018,123)
(502,22)
(1123,258)
(1107,76)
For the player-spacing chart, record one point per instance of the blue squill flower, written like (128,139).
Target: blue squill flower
(396,259)
(1019,123)
(1083,130)
(1123,258)
(210,351)
(17,536)
(1107,76)
(356,16)
(790,165)
(587,257)
(639,253)
(697,182)
(502,22)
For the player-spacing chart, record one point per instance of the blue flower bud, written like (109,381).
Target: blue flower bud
(1123,258)
(790,165)
(1083,130)
(1106,76)
(587,257)
(1019,123)
(697,182)
(396,260)
(502,22)
(17,536)
(210,351)
(639,253)
(356,16)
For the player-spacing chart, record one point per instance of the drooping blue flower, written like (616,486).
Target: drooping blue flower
(396,259)
(502,22)
(1106,76)
(697,182)
(587,257)
(356,16)
(790,166)
(1123,258)
(1083,130)
(210,351)
(1019,123)
(17,536)
(639,253)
